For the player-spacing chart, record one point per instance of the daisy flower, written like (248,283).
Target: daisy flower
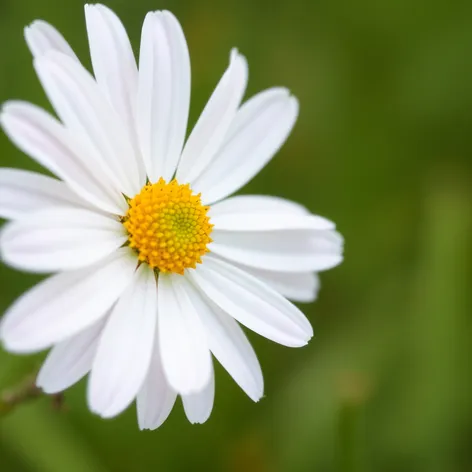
(154,263)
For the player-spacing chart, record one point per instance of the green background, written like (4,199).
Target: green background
(383,147)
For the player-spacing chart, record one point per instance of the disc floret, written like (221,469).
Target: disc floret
(168,226)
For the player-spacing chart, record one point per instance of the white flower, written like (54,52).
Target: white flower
(151,276)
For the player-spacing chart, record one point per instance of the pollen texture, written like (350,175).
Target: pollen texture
(168,226)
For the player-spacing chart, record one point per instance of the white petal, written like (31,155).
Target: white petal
(23,192)
(125,348)
(255,221)
(113,61)
(209,133)
(155,399)
(257,204)
(58,239)
(252,303)
(163,93)
(229,344)
(260,128)
(296,286)
(261,213)
(264,213)
(184,347)
(42,137)
(42,37)
(70,360)
(84,110)
(198,406)
(253,230)
(115,68)
(65,304)
(280,251)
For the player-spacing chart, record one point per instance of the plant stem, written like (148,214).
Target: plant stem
(24,392)
(350,445)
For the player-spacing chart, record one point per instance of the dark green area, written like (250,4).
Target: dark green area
(383,146)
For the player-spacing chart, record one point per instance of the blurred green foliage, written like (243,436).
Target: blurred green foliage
(383,146)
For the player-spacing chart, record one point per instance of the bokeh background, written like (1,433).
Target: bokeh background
(383,146)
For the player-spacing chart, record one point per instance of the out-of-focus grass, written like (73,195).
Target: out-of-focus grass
(383,146)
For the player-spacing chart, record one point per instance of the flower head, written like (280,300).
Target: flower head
(154,263)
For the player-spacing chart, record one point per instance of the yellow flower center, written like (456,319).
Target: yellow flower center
(168,226)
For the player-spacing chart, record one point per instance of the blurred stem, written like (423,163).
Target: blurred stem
(350,438)
(440,325)
(347,438)
(46,442)
(21,393)
(24,392)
